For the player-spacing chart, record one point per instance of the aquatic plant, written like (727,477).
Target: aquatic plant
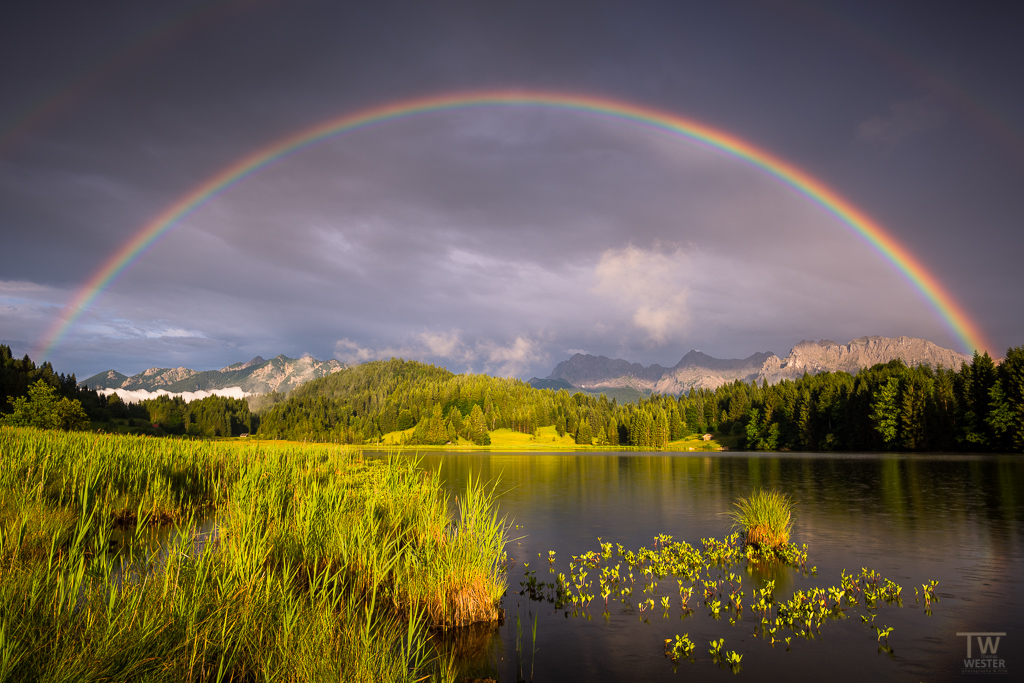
(707,574)
(733,660)
(765,518)
(682,648)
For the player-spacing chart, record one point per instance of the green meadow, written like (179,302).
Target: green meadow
(317,566)
(546,439)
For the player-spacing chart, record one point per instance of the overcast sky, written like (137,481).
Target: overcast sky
(503,240)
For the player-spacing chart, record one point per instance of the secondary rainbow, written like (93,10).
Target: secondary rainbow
(127,55)
(888,247)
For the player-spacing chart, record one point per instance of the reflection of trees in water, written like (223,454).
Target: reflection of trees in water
(762,572)
(957,519)
(901,495)
(475,648)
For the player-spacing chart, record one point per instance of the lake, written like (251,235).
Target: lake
(955,519)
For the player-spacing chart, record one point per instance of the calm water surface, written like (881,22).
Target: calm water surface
(957,519)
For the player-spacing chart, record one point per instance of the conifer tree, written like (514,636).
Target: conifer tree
(884,411)
(583,434)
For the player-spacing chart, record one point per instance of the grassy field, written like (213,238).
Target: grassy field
(547,439)
(695,442)
(323,567)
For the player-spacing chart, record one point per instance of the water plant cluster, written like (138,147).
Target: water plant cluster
(765,520)
(807,610)
(320,566)
(705,580)
(698,575)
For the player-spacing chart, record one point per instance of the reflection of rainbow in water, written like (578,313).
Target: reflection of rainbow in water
(169,31)
(873,233)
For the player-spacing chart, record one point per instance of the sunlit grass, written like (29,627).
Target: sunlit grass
(765,518)
(325,567)
(546,438)
(696,442)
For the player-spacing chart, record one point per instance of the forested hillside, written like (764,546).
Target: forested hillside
(18,374)
(210,416)
(979,407)
(59,402)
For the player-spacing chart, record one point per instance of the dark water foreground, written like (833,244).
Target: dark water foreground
(955,519)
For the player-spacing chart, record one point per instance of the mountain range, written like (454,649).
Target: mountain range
(698,370)
(258,376)
(596,374)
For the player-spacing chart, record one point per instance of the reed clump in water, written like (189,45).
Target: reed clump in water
(386,529)
(327,567)
(765,519)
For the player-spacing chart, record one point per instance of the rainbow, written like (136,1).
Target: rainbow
(888,247)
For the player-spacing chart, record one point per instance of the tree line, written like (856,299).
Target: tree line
(893,407)
(433,406)
(206,417)
(37,396)
(888,407)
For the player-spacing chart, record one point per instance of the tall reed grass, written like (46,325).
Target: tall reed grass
(765,518)
(324,567)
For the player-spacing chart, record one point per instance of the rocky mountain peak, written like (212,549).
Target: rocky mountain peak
(257,360)
(257,376)
(827,356)
(699,370)
(586,371)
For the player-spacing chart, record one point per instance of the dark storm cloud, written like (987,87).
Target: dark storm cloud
(500,239)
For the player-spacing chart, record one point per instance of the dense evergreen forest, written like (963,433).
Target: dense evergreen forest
(890,407)
(18,375)
(210,416)
(32,395)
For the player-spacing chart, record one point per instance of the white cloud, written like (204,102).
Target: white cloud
(426,346)
(22,287)
(512,359)
(443,344)
(27,310)
(350,352)
(904,119)
(175,332)
(121,328)
(647,284)
(507,359)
